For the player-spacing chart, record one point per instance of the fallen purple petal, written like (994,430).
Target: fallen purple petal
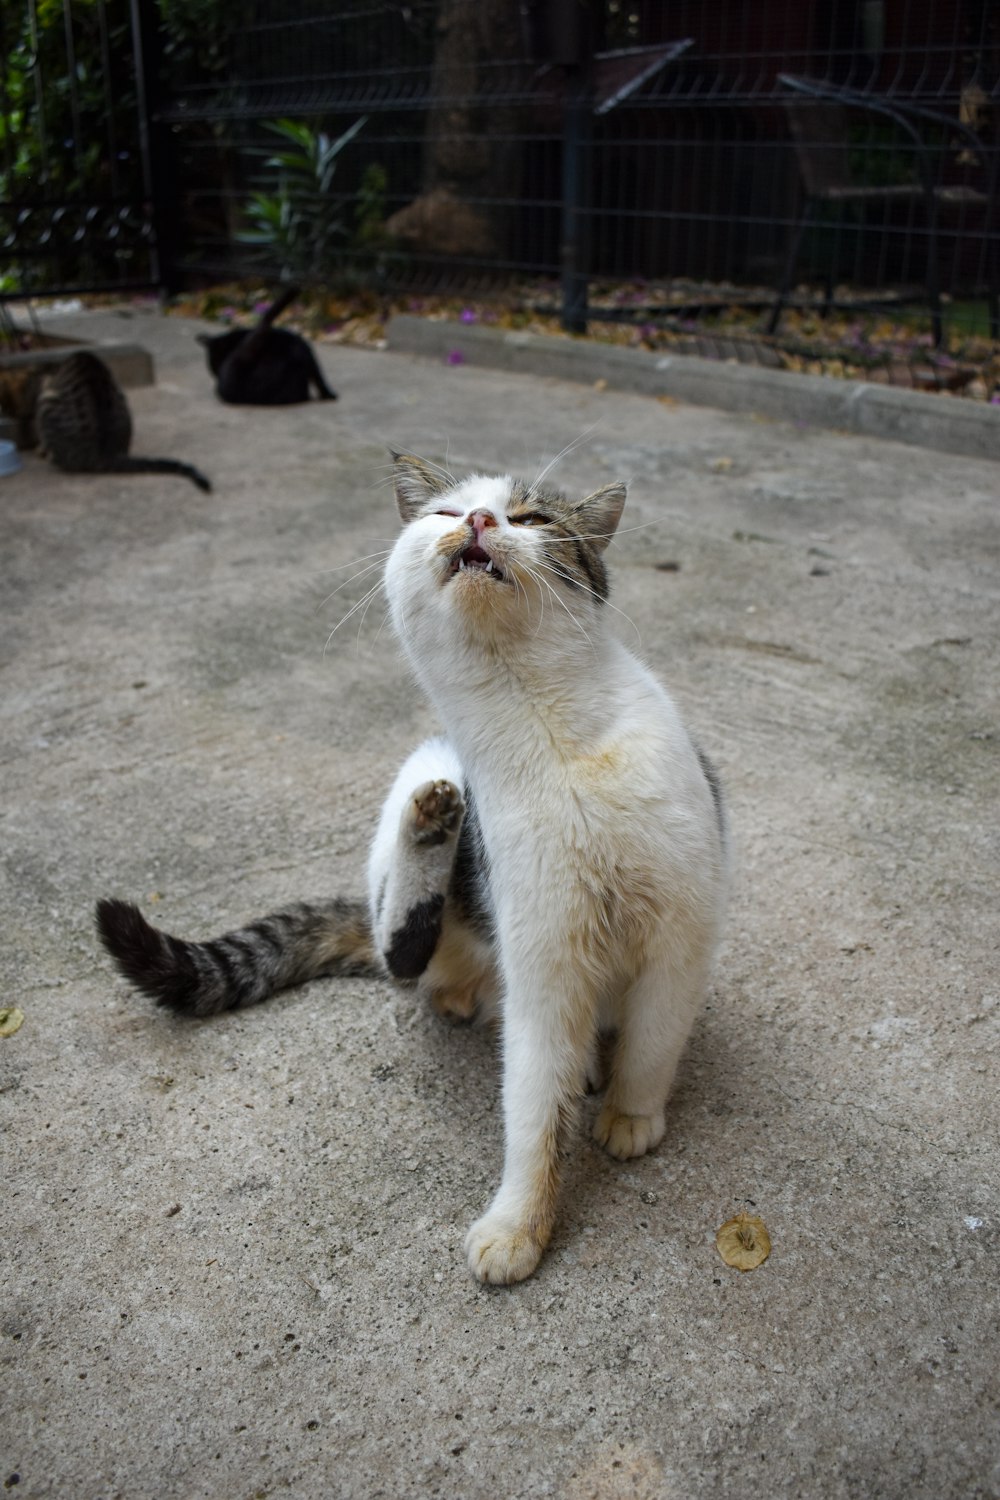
(456,357)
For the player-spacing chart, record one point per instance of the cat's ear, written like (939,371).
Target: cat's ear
(416,483)
(599,514)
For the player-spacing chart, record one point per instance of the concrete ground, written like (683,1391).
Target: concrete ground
(233,1250)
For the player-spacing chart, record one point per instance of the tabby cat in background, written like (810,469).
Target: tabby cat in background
(265,366)
(561,856)
(76,414)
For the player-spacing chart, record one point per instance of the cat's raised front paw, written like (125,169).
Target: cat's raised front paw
(628,1135)
(435,812)
(501,1252)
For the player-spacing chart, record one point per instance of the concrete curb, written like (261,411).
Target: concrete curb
(131,364)
(943,423)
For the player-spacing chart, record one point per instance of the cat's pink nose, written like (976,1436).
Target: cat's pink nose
(479,520)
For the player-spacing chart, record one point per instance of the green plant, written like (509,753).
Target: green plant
(54,129)
(69,139)
(293,217)
(197,34)
(370,211)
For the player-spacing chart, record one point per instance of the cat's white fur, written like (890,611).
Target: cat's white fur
(606,857)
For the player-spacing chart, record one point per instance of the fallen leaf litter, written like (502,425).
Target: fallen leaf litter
(743,1242)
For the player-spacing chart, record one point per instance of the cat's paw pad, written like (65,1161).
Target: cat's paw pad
(457,1003)
(435,812)
(500,1251)
(628,1135)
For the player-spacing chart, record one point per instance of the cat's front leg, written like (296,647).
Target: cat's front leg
(547,1032)
(656,1019)
(410,904)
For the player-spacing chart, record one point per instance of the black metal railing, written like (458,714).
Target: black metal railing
(654,145)
(74,180)
(575,146)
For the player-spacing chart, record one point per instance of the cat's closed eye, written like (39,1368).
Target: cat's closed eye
(531,518)
(447,512)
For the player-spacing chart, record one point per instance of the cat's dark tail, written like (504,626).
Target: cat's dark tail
(278,306)
(128,465)
(243,967)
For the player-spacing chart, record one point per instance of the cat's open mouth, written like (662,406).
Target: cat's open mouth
(473,559)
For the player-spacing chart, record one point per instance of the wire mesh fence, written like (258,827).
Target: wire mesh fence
(74,178)
(620,142)
(629,162)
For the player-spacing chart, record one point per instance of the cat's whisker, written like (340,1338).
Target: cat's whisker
(358,604)
(522,591)
(428,463)
(364,615)
(577,441)
(324,572)
(579,583)
(527,604)
(363,573)
(378,558)
(449,480)
(443,469)
(351,611)
(539,578)
(602,536)
(381,627)
(642,526)
(404,629)
(524,595)
(578,623)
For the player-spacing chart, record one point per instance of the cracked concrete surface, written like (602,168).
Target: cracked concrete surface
(232,1250)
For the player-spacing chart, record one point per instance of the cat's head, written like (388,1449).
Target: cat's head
(219,346)
(494,554)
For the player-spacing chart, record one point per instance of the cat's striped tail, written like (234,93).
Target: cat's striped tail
(243,967)
(129,465)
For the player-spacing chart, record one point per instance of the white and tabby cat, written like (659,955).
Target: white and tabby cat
(560,856)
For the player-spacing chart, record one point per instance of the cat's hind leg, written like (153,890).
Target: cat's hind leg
(655,1020)
(314,376)
(413,856)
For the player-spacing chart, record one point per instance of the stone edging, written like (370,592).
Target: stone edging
(947,424)
(131,364)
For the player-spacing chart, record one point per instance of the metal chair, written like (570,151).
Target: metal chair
(818,119)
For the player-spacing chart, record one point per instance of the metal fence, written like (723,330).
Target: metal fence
(722,149)
(610,143)
(75,185)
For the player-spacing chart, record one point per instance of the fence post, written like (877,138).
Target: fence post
(569,31)
(154,143)
(573,249)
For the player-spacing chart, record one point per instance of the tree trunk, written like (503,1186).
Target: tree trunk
(470,158)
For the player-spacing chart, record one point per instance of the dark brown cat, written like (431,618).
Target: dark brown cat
(78,415)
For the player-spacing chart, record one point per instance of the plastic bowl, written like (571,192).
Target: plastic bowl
(10,460)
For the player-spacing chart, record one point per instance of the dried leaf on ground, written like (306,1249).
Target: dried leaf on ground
(743,1242)
(11,1020)
(715,320)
